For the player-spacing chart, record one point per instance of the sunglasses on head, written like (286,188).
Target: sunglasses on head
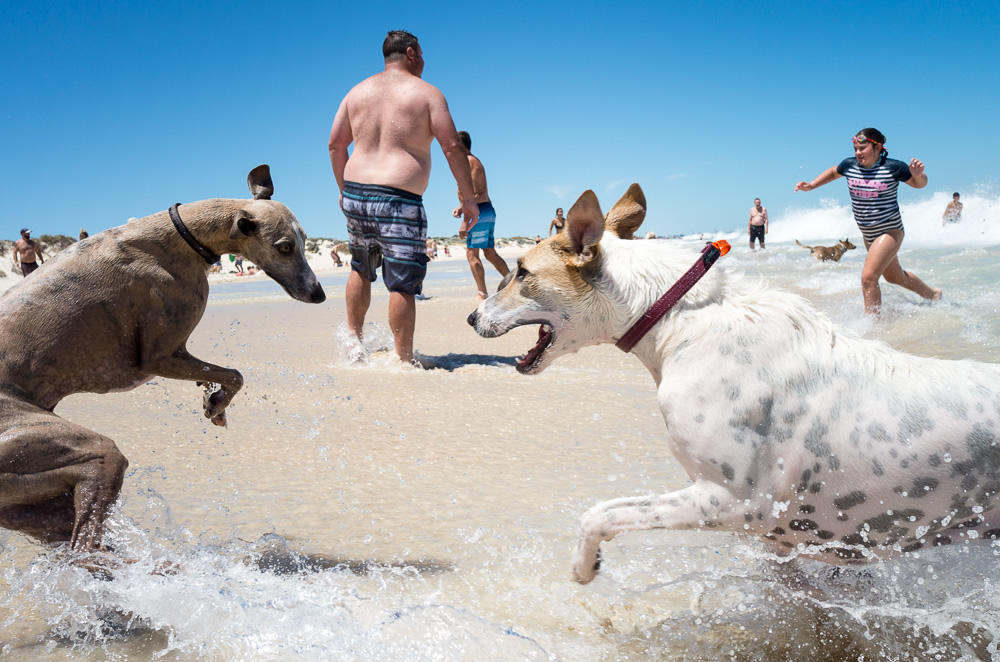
(861,140)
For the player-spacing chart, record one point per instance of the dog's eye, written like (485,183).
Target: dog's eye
(521,273)
(285,247)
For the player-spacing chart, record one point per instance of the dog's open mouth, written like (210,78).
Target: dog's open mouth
(530,360)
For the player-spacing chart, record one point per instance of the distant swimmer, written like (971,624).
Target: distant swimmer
(953,212)
(873,183)
(757,225)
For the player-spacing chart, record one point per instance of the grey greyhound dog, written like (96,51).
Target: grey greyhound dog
(106,314)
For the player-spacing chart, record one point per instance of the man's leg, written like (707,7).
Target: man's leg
(359,296)
(403,321)
(497,261)
(477,271)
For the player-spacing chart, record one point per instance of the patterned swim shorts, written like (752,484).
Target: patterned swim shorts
(387,227)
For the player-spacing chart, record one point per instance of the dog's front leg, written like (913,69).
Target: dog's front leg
(702,505)
(182,365)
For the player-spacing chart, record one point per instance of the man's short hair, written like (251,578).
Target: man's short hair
(955,195)
(466,139)
(395,44)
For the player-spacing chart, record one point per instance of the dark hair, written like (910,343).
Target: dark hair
(955,195)
(876,135)
(466,139)
(396,42)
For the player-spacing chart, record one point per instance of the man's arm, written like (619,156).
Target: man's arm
(15,255)
(765,219)
(341,137)
(443,128)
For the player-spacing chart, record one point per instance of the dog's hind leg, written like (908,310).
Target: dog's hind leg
(181,365)
(702,505)
(58,480)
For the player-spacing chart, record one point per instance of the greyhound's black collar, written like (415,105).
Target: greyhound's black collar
(186,235)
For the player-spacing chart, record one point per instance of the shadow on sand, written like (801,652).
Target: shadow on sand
(451,362)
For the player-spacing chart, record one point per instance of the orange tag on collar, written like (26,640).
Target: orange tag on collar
(722,245)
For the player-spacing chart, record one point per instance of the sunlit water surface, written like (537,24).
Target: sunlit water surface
(447,536)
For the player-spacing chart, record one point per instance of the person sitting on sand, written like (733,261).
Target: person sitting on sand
(335,254)
(873,181)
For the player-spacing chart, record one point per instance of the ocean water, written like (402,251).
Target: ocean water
(345,522)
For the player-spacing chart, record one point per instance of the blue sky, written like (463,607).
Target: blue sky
(118,109)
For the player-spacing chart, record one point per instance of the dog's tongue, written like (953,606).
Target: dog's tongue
(543,339)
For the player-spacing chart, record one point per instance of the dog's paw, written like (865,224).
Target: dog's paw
(219,419)
(585,566)
(215,403)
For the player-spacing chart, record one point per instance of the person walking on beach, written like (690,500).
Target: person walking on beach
(873,182)
(481,236)
(953,212)
(757,226)
(558,223)
(392,118)
(27,249)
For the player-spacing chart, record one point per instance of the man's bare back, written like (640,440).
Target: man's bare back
(391,116)
(479,179)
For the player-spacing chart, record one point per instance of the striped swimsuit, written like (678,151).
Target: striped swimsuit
(873,194)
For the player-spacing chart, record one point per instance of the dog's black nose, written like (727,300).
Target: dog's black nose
(318,295)
(472,318)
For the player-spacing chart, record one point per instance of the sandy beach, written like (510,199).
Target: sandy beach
(390,512)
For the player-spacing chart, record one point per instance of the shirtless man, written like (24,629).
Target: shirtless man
(757,226)
(482,235)
(953,212)
(27,249)
(392,118)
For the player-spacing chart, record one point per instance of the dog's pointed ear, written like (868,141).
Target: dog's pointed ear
(585,226)
(628,213)
(243,225)
(259,181)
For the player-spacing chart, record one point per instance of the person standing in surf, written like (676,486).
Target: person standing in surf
(873,182)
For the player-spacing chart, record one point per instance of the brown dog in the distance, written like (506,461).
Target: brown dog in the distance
(106,314)
(827,253)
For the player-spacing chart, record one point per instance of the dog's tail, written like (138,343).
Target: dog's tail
(803,245)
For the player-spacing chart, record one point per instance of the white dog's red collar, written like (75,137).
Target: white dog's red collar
(712,252)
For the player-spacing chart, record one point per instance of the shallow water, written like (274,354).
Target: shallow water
(389,513)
